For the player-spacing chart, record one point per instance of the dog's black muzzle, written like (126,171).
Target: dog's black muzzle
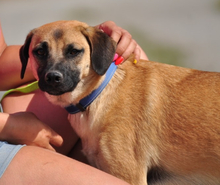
(58,81)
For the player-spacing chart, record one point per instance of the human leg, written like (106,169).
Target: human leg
(37,166)
(7,153)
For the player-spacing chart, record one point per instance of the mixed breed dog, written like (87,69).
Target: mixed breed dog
(146,123)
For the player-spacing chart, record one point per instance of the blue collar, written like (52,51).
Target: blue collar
(85,102)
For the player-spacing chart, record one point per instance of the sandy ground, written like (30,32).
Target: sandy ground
(192,26)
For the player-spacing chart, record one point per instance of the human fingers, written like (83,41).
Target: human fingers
(137,51)
(137,54)
(111,29)
(56,139)
(120,36)
(116,33)
(125,44)
(47,138)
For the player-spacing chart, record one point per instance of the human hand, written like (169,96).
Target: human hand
(26,128)
(125,44)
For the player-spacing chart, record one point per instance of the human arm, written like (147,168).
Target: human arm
(26,128)
(11,66)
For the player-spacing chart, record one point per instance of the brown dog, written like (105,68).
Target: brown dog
(150,119)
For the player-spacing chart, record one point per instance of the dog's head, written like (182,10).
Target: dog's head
(66,54)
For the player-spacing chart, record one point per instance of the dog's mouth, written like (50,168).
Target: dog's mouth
(57,83)
(56,91)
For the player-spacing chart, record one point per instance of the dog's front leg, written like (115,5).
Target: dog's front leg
(110,151)
(116,157)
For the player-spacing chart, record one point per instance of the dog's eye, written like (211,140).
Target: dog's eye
(71,51)
(74,52)
(41,52)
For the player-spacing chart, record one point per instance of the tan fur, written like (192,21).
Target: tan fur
(150,115)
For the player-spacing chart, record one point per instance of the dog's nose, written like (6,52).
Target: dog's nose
(54,77)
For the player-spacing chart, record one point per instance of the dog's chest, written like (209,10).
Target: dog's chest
(86,129)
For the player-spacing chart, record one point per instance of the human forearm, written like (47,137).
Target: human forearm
(26,128)
(11,67)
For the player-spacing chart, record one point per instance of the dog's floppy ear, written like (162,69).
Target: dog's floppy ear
(24,53)
(102,49)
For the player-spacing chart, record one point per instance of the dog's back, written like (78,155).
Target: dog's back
(168,116)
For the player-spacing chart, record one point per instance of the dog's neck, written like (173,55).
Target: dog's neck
(85,102)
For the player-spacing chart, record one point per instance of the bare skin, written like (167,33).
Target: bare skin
(52,168)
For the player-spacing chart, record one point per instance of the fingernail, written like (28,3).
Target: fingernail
(119,60)
(115,57)
(135,61)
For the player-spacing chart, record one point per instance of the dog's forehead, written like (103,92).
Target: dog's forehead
(68,31)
